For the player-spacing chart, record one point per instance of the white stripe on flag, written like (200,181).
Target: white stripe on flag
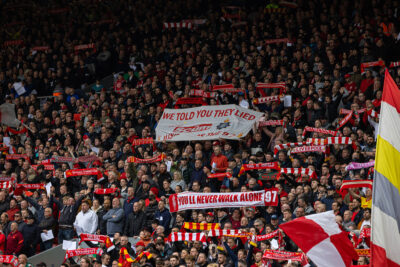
(326,223)
(386,235)
(325,252)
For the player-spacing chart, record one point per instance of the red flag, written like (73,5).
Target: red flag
(320,237)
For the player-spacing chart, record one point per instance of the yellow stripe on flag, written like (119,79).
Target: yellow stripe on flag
(387,161)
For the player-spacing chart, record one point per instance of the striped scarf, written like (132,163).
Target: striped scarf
(201,226)
(259,166)
(277,148)
(179,236)
(224,232)
(346,184)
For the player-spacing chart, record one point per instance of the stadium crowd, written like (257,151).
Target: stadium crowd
(319,63)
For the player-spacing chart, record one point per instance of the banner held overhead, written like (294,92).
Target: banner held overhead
(206,123)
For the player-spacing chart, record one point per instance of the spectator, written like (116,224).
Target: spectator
(86,220)
(31,235)
(114,218)
(45,226)
(135,221)
(15,241)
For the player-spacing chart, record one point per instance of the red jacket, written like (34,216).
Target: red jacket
(15,241)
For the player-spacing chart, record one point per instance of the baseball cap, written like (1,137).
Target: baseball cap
(274,217)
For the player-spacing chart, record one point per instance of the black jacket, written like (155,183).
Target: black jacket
(134,223)
(31,234)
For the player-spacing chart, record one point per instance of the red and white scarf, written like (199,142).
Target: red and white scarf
(276,41)
(262,100)
(97,238)
(305,149)
(133,159)
(105,191)
(365,65)
(261,86)
(179,236)
(201,226)
(6,179)
(31,186)
(220,175)
(202,93)
(60,159)
(344,120)
(346,184)
(318,130)
(270,123)
(267,236)
(89,158)
(330,141)
(281,255)
(81,172)
(10,259)
(259,166)
(297,171)
(82,251)
(277,148)
(394,64)
(190,101)
(225,232)
(143,141)
(17,156)
(6,185)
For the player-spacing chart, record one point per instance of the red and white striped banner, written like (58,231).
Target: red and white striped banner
(5,185)
(224,232)
(318,130)
(330,141)
(394,64)
(195,201)
(177,25)
(346,184)
(179,236)
(279,147)
(305,149)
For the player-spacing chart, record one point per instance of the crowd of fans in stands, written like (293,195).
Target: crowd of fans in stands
(154,67)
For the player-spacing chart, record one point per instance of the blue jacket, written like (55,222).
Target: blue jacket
(128,206)
(164,217)
(114,224)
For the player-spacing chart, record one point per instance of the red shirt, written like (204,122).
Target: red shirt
(2,243)
(221,162)
(15,241)
(351,87)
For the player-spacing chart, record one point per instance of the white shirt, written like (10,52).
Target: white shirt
(86,222)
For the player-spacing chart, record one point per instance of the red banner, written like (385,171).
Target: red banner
(266,99)
(31,186)
(201,93)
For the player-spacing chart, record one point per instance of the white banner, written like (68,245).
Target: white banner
(206,123)
(198,201)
